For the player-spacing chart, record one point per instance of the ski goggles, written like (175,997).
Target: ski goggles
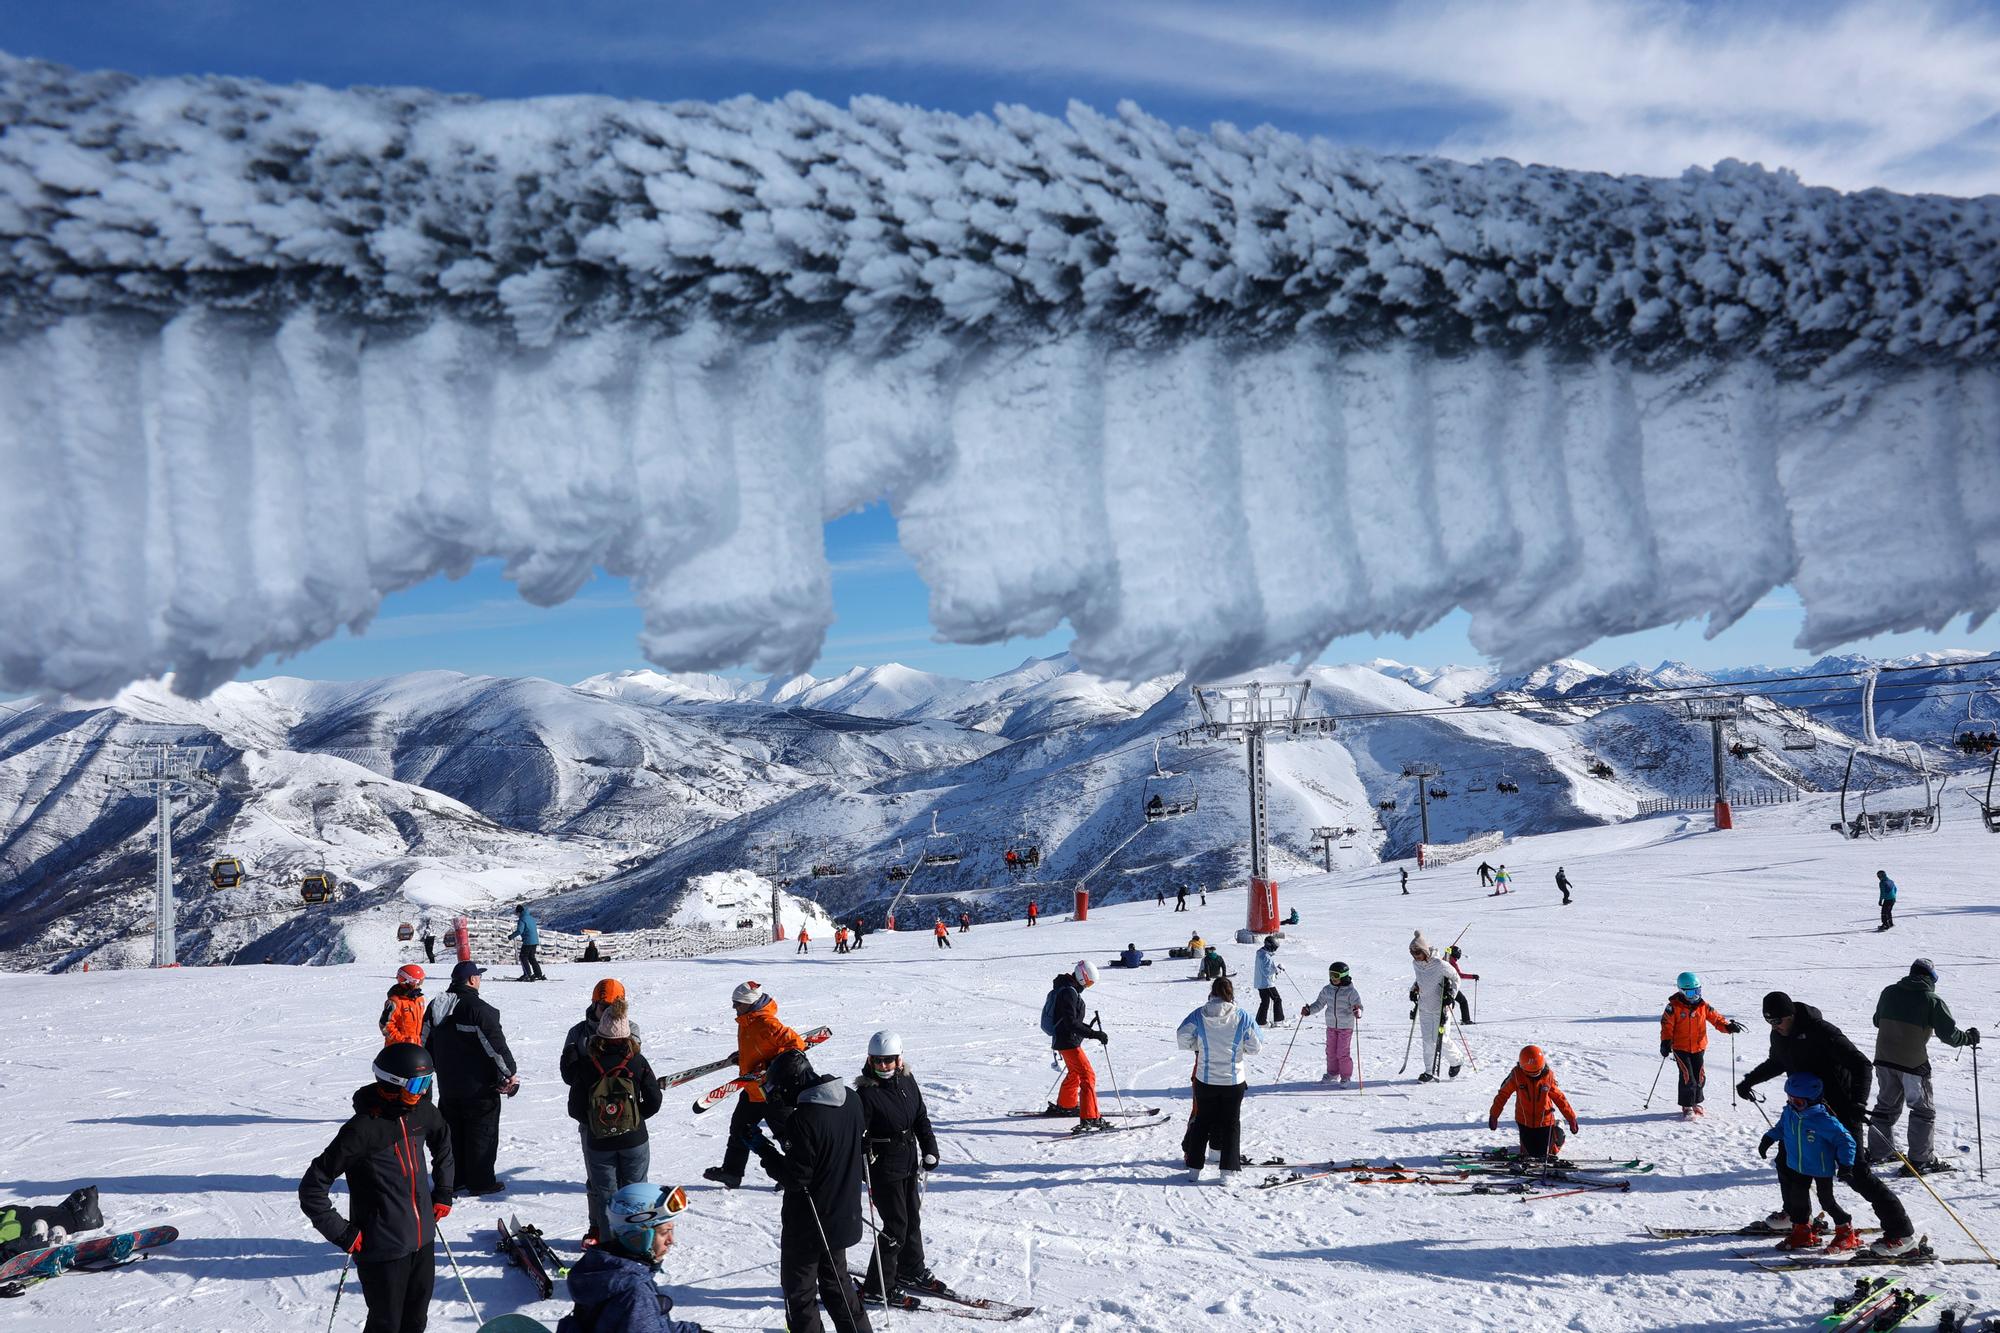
(673,1201)
(416,1085)
(1692,992)
(883,1061)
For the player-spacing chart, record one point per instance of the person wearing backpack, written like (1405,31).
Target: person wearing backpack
(611,1097)
(1063,1021)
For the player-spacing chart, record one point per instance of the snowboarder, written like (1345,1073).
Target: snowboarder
(1264,976)
(1405,872)
(1342,1003)
(964,922)
(1562,885)
(1212,965)
(613,1284)
(1684,1026)
(613,1092)
(819,1125)
(1906,1015)
(475,1069)
(805,941)
(1133,956)
(1033,911)
(430,944)
(1453,954)
(531,939)
(1062,1020)
(395,1205)
(1803,1042)
(1817,1147)
(840,939)
(943,933)
(1485,875)
(1180,898)
(901,1148)
(1885,898)
(1221,1036)
(1537,1099)
(1502,881)
(760,1039)
(1196,945)
(1431,996)
(403,1012)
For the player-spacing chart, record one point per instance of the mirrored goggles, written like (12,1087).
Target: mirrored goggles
(416,1085)
(673,1201)
(1692,992)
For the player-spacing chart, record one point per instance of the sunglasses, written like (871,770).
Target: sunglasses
(884,1060)
(671,1204)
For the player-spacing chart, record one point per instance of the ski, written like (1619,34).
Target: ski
(812,1038)
(1923,1254)
(1868,1296)
(551,1262)
(1514,1161)
(98,1252)
(1071,1115)
(1926,1169)
(513,1323)
(921,1291)
(1108,1129)
(1819,1223)
(515,1246)
(903,1300)
(1903,1306)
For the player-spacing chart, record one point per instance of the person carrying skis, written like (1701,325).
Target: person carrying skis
(1212,965)
(1265,977)
(613,1092)
(1885,898)
(1222,1036)
(760,1039)
(897,1128)
(1485,875)
(1537,1099)
(805,940)
(1342,1003)
(395,1205)
(531,939)
(475,1069)
(402,1017)
(1453,955)
(613,1284)
(1817,1147)
(1684,1026)
(943,933)
(1906,1015)
(1803,1042)
(1431,995)
(1063,1021)
(1033,911)
(1562,885)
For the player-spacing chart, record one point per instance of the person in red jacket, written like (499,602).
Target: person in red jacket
(1684,1035)
(1537,1099)
(1033,911)
(943,933)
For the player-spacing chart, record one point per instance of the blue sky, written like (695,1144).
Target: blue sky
(1904,95)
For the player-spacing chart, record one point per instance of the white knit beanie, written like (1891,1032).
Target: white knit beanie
(1419,945)
(748,993)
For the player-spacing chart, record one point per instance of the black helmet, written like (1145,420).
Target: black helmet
(405,1067)
(1336,970)
(787,1074)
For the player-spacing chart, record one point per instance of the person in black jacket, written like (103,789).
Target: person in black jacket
(396,1205)
(819,1123)
(900,1145)
(612,1094)
(1803,1042)
(474,1070)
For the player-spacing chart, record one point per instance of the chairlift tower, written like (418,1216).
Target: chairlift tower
(1423,773)
(1253,712)
(774,854)
(1718,710)
(1324,836)
(162,771)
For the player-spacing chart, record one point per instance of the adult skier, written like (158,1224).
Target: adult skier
(760,1039)
(395,1205)
(820,1128)
(1342,1003)
(1537,1099)
(1684,1026)
(1485,875)
(613,1092)
(1455,956)
(1222,1037)
(475,1069)
(430,944)
(1180,898)
(402,1017)
(1817,1147)
(900,1147)
(531,939)
(943,933)
(1405,872)
(1885,898)
(1265,977)
(1906,1015)
(964,922)
(1431,994)
(1562,885)
(858,932)
(613,1284)
(1063,1020)
(1803,1042)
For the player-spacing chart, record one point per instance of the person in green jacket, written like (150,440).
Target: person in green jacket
(1906,1016)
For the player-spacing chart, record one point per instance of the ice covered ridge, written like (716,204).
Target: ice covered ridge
(268,353)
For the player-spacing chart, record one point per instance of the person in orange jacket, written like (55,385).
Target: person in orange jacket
(403,1012)
(1684,1035)
(943,933)
(805,941)
(840,939)
(760,1038)
(1537,1098)
(1033,911)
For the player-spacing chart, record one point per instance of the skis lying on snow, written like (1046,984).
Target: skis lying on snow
(1510,1158)
(92,1255)
(941,1299)
(813,1038)
(1071,1115)
(531,1254)
(1875,1305)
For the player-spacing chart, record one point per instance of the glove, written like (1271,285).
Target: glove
(1763,1147)
(1493,1124)
(1097,1034)
(1413,992)
(1574,1129)
(355,1248)
(735,1057)
(930,1161)
(1413,1013)
(1844,1174)
(440,1211)
(1666,1048)
(1972,1036)
(512,1085)
(1733,1027)
(1743,1090)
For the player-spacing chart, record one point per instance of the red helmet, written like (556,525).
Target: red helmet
(409,974)
(1532,1060)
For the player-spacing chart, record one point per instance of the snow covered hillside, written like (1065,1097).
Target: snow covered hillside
(195,1097)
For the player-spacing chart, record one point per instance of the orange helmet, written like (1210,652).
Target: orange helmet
(1532,1061)
(608,990)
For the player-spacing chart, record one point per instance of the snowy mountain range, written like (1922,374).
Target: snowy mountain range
(880,787)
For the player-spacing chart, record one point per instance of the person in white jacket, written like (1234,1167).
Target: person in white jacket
(1342,1003)
(1432,993)
(1221,1036)
(1265,977)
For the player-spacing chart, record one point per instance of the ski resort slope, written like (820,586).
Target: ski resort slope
(196,1097)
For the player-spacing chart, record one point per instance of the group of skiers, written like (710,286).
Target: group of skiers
(1500,881)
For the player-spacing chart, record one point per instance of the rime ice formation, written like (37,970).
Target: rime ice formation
(269,353)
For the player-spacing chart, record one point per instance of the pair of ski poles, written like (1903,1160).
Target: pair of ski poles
(341,1290)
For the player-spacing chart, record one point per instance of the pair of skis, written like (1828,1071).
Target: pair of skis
(97,1253)
(1820,1225)
(1875,1304)
(716,1096)
(531,1254)
(940,1299)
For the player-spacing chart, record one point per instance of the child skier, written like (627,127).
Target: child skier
(1684,1035)
(1814,1148)
(1537,1098)
(1342,1003)
(403,1012)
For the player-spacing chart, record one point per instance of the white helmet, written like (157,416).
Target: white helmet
(1086,972)
(883,1043)
(748,993)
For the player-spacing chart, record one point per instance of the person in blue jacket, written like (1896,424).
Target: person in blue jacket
(1265,978)
(531,940)
(1814,1147)
(1885,896)
(612,1284)
(1133,956)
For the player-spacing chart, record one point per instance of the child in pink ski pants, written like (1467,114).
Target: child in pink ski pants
(1342,1003)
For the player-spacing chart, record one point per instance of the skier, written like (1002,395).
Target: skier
(403,1012)
(1803,1042)
(1817,1147)
(1204,895)
(430,944)
(612,1094)
(1684,1026)
(1033,911)
(1562,884)
(395,1204)
(1062,1020)
(474,1070)
(1212,965)
(760,1039)
(943,933)
(1221,1036)
(964,922)
(805,940)
(1885,897)
(858,932)
(1431,995)
(1264,976)
(1537,1098)
(1485,875)
(1342,1003)
(613,1284)
(1405,872)
(840,939)
(819,1124)
(1180,898)
(900,1146)
(531,940)
(1452,955)
(1906,1015)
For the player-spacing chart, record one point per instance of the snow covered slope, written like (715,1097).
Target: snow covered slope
(196,1097)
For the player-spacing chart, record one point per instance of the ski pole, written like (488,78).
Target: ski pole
(1978,1129)
(881,1273)
(1409,1043)
(1658,1070)
(1288,1048)
(461,1275)
(826,1248)
(1732,1070)
(339,1291)
(1911,1168)
(1105,1046)
(1360,1083)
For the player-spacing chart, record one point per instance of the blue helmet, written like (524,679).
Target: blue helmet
(636,1209)
(1688,981)
(1806,1087)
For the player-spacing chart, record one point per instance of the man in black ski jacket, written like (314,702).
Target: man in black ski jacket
(474,1070)
(395,1204)
(1803,1042)
(819,1123)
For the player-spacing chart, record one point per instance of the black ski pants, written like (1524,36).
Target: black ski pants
(1872,1188)
(944,941)
(1267,998)
(1798,1191)
(430,949)
(1689,1076)
(398,1292)
(743,1123)
(1216,1122)
(475,1139)
(1542,1142)
(1180,903)
(531,967)
(1888,915)
(899,1201)
(811,1276)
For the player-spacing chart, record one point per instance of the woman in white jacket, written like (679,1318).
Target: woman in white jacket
(1342,1003)
(1221,1037)
(1431,994)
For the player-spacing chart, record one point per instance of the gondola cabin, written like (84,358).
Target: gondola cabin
(406,932)
(316,887)
(226,873)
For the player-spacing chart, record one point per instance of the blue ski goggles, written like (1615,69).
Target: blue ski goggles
(1692,992)
(416,1085)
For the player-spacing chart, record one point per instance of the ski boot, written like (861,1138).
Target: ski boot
(1895,1247)
(722,1178)
(1427,1077)
(1096,1125)
(1687,1113)
(1778,1221)
(1453,1071)
(1699,1111)
(1054,1112)
(1845,1238)
(1802,1237)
